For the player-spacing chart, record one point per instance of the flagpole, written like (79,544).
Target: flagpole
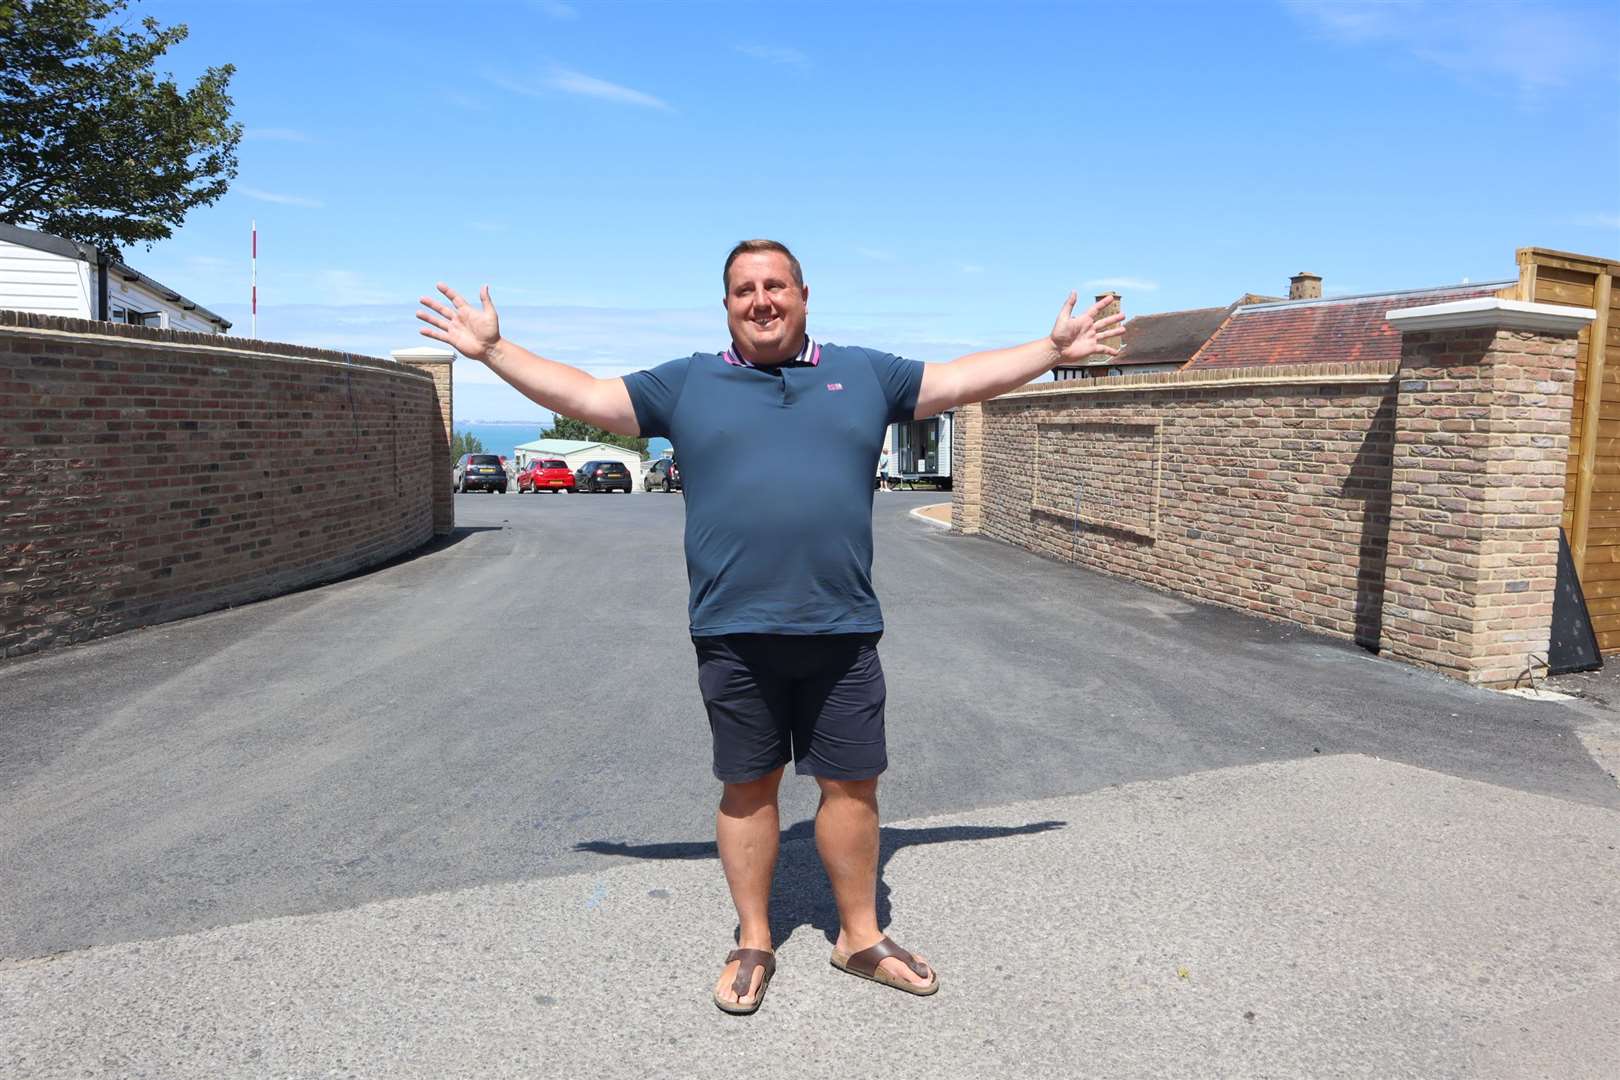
(255,278)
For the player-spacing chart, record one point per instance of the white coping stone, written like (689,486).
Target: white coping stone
(1492,311)
(422,352)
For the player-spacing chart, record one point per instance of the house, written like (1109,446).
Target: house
(577,452)
(1160,342)
(48,275)
(1307,329)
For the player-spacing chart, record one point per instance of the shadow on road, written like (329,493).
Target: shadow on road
(799,893)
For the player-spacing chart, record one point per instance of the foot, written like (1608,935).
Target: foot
(891,965)
(725,991)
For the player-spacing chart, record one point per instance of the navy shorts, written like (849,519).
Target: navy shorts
(815,700)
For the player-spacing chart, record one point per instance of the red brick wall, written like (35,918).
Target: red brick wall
(147,475)
(1259,489)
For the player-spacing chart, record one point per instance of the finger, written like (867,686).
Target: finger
(436,335)
(436,306)
(1112,320)
(1106,351)
(454,297)
(1068,306)
(1107,299)
(433,320)
(483,298)
(1115,332)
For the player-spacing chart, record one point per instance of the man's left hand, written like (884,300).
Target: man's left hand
(1077,337)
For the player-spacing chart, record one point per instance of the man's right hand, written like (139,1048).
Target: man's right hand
(472,332)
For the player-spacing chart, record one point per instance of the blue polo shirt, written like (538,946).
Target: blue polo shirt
(777,464)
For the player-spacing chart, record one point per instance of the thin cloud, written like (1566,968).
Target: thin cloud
(1534,47)
(576,82)
(279,198)
(776,54)
(877,254)
(1123,284)
(969,268)
(270,134)
(1600,221)
(556,9)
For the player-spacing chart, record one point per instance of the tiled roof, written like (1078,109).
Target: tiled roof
(1341,330)
(1170,337)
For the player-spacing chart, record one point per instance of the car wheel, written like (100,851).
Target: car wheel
(668,487)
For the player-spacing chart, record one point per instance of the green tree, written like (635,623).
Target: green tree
(465,442)
(94,145)
(566,427)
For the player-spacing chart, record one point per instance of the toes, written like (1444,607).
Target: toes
(899,969)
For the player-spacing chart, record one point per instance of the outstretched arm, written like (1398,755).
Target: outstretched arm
(985,374)
(476,333)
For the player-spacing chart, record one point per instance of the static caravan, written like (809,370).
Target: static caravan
(48,275)
(920,450)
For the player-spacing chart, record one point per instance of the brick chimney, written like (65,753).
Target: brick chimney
(1111,309)
(1305,286)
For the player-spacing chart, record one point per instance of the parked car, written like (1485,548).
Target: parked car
(479,472)
(664,474)
(603,476)
(546,474)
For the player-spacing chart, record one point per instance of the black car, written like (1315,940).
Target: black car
(603,476)
(479,472)
(664,475)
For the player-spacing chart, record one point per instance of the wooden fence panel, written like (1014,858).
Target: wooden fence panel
(1592,484)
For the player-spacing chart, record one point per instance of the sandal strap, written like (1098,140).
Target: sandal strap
(751,959)
(867,960)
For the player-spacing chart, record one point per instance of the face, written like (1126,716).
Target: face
(765,307)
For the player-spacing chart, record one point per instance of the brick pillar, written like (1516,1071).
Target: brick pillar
(1477,485)
(437,363)
(967,467)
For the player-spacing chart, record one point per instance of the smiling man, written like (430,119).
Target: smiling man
(784,620)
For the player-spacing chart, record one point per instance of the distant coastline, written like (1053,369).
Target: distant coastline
(504,436)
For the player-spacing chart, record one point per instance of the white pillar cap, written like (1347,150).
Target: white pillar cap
(1492,311)
(421,353)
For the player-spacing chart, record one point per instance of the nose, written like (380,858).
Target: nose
(762,301)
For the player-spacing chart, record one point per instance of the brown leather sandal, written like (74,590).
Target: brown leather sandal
(751,959)
(865,964)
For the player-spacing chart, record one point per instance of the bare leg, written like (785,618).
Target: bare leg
(847,838)
(748,830)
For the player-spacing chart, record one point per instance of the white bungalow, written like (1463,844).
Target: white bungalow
(48,275)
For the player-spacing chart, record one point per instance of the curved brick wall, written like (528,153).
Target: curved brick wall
(146,475)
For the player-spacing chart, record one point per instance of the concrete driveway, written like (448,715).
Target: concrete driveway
(454,817)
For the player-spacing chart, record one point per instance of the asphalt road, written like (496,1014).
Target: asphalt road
(511,706)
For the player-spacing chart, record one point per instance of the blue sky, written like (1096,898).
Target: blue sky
(946,172)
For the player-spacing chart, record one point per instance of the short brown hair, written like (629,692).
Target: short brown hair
(750,247)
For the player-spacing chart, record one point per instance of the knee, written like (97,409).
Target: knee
(863,791)
(749,798)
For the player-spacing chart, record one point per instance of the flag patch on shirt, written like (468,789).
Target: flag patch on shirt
(835,386)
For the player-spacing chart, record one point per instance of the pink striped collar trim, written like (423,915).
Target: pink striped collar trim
(811,355)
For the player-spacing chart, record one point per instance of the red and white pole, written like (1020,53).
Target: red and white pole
(255,279)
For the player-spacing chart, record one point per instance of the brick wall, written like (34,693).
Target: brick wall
(1250,489)
(147,475)
(1479,469)
(1412,506)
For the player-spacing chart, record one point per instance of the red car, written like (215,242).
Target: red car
(546,474)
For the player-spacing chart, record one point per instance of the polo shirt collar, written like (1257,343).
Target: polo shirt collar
(810,355)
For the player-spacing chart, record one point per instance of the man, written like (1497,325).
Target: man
(783,616)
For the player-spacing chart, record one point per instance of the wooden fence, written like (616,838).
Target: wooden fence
(1592,484)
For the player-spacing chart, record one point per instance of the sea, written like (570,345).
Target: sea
(501,436)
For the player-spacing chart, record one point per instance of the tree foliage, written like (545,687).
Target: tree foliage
(95,145)
(465,442)
(566,427)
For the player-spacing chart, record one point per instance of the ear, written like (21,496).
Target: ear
(805,289)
